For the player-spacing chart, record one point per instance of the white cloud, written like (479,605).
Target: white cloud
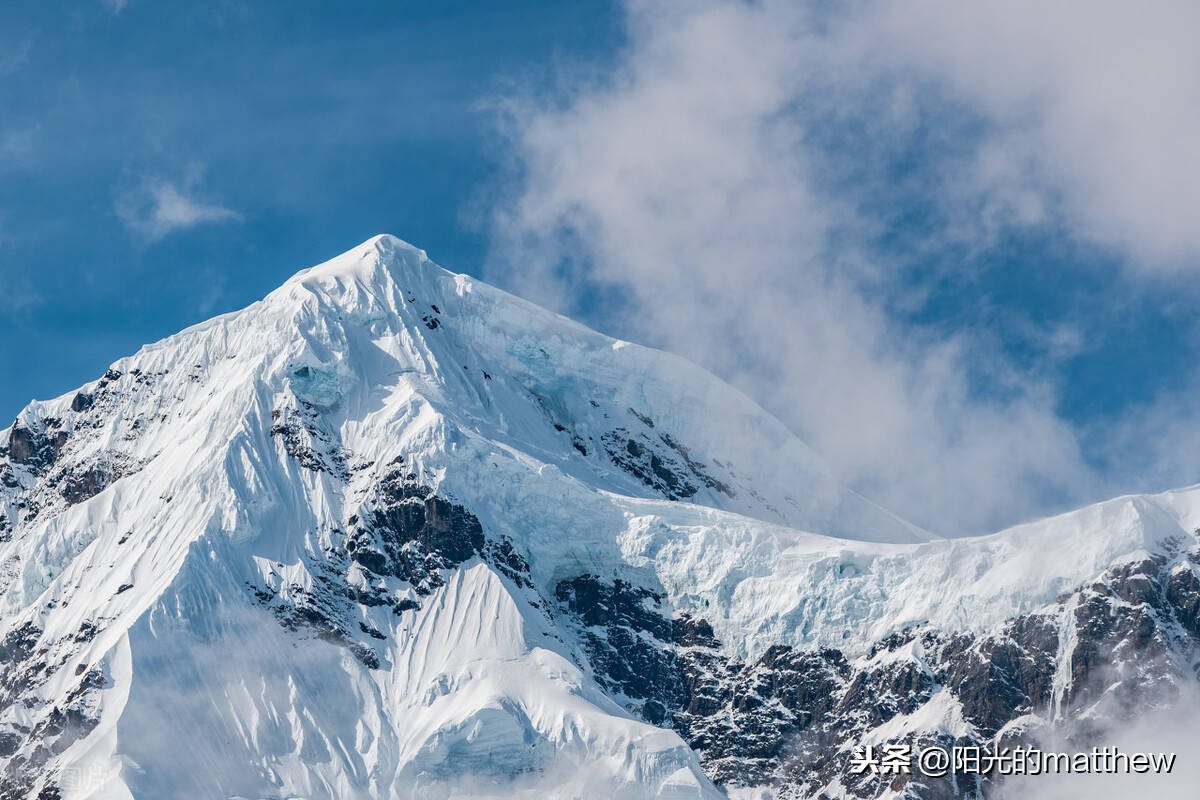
(157,208)
(721,178)
(1101,98)
(1161,726)
(686,181)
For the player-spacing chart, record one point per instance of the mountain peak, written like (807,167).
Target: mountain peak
(382,257)
(418,528)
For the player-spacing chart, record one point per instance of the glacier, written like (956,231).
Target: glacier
(392,532)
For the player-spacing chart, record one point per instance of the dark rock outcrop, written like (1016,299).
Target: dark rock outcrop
(306,440)
(659,461)
(791,717)
(396,550)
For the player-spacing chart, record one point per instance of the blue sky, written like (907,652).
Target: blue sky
(313,128)
(954,248)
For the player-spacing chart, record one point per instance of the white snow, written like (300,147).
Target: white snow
(942,712)
(478,694)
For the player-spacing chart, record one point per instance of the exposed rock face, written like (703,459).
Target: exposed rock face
(658,461)
(399,548)
(57,461)
(305,439)
(27,661)
(791,717)
(77,484)
(634,649)
(37,449)
(410,533)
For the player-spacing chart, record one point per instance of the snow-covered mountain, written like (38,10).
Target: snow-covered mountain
(391,532)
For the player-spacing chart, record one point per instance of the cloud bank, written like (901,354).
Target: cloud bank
(1100,99)
(727,180)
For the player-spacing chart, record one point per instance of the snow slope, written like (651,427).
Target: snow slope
(177,566)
